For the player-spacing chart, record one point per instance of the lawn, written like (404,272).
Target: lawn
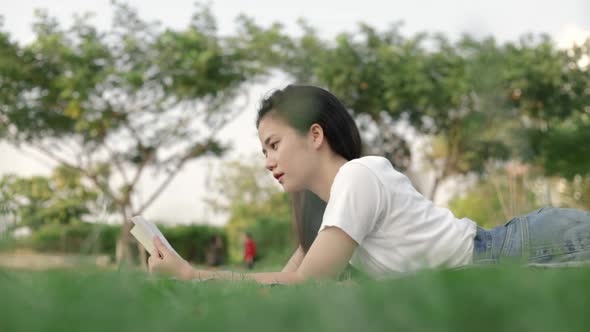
(477,299)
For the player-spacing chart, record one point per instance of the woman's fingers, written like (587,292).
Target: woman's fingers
(158,254)
(153,262)
(150,263)
(160,248)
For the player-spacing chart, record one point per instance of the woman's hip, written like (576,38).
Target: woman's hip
(548,235)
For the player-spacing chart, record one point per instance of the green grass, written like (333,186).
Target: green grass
(480,299)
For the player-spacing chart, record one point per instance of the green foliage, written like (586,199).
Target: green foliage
(59,199)
(437,89)
(247,194)
(576,192)
(542,83)
(550,89)
(476,99)
(495,199)
(270,224)
(64,78)
(190,241)
(119,103)
(564,148)
(83,238)
(481,204)
(139,97)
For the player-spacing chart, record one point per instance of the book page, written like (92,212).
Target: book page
(147,228)
(144,237)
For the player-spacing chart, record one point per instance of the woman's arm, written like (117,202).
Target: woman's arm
(295,260)
(326,258)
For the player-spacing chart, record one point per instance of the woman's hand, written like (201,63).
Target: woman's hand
(166,262)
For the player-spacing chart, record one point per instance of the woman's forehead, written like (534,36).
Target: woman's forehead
(271,124)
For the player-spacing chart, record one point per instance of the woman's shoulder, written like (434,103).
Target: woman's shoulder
(372,160)
(375,164)
(375,168)
(365,169)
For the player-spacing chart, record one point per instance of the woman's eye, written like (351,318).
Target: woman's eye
(274,145)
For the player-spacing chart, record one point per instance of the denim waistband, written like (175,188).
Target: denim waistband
(488,244)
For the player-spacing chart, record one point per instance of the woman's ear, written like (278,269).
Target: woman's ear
(316,134)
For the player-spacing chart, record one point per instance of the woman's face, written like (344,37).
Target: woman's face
(289,155)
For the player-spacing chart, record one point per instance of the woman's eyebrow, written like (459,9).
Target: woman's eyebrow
(265,143)
(267,140)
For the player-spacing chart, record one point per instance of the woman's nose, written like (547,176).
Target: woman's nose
(270,164)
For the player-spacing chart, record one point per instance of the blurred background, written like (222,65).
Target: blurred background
(115,108)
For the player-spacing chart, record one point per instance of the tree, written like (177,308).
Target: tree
(61,199)
(553,95)
(438,90)
(576,192)
(352,67)
(246,193)
(121,105)
(550,91)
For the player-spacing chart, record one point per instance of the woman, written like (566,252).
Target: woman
(363,211)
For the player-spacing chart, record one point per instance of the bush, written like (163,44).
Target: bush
(274,238)
(82,238)
(190,241)
(270,224)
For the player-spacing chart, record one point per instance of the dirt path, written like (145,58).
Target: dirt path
(30,260)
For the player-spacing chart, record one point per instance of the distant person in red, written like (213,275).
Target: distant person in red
(249,250)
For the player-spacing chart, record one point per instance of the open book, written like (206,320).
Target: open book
(144,231)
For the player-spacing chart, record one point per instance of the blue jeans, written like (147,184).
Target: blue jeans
(548,236)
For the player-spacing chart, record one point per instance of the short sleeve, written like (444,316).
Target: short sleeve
(355,201)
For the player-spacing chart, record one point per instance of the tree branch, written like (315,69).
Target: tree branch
(88,174)
(117,162)
(192,153)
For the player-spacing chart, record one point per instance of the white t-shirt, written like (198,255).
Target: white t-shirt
(397,229)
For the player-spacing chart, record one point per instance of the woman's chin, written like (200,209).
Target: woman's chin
(291,189)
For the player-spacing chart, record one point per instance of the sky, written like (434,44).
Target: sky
(565,21)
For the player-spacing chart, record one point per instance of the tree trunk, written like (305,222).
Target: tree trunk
(123,252)
(434,188)
(438,178)
(548,199)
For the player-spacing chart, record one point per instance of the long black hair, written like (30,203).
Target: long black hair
(301,106)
